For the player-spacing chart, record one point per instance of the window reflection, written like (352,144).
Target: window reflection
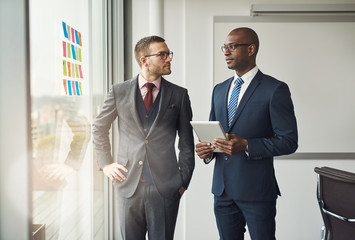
(61,134)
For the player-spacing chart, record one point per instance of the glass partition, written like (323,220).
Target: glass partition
(68,82)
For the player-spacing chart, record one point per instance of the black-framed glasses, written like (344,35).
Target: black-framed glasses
(232,47)
(162,55)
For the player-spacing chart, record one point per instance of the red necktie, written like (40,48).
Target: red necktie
(148,100)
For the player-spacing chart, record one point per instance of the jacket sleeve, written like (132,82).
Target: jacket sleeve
(284,126)
(186,141)
(101,129)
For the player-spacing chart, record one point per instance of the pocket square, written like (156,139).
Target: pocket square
(172,106)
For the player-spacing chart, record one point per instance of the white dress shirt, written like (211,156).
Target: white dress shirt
(247,80)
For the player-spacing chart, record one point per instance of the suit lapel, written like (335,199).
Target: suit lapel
(248,93)
(165,95)
(132,96)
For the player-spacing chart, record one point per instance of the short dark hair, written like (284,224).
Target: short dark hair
(251,35)
(142,46)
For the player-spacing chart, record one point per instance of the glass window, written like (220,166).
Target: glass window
(68,82)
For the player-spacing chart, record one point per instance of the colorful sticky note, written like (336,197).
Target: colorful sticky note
(81,92)
(69,51)
(73,87)
(65,86)
(65,29)
(64,68)
(80,39)
(73,70)
(79,50)
(76,53)
(72,35)
(73,51)
(80,72)
(68,31)
(64,49)
(76,71)
(76,37)
(69,70)
(77,88)
(69,88)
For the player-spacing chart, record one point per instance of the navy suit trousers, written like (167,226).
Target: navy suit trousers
(232,216)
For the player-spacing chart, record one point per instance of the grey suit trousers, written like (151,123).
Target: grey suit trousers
(147,210)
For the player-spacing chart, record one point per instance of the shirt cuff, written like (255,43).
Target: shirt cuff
(208,160)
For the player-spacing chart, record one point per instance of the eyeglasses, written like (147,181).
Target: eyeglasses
(232,47)
(162,55)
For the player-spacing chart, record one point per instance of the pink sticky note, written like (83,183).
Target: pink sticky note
(64,49)
(73,87)
(80,72)
(72,35)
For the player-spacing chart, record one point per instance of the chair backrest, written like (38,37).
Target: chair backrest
(336,197)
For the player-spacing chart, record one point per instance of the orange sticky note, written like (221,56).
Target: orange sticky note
(65,86)
(69,71)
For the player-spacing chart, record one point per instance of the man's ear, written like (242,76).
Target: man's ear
(252,49)
(143,60)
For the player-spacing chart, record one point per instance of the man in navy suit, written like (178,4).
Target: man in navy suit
(260,123)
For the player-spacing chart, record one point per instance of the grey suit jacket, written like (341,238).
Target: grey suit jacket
(168,172)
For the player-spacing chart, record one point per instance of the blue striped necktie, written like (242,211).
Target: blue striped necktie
(232,106)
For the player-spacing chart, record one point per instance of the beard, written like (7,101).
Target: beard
(160,70)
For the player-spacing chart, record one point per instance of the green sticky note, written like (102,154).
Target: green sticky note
(64,68)
(81,92)
(76,71)
(73,70)
(68,49)
(69,32)
(80,55)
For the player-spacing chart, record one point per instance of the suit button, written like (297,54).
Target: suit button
(140,162)
(145,130)
(226,158)
(146,116)
(146,141)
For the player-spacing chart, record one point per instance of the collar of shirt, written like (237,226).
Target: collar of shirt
(247,78)
(143,89)
(142,82)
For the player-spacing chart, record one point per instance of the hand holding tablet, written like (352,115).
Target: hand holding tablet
(208,131)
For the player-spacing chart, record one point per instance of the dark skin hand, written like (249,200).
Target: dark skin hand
(204,150)
(231,145)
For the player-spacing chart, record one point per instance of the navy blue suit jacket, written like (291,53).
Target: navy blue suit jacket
(265,117)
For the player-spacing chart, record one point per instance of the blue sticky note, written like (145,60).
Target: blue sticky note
(77,37)
(73,51)
(65,29)
(77,88)
(69,88)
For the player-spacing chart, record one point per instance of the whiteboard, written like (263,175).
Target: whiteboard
(315,56)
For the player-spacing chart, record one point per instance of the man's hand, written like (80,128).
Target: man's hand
(113,171)
(56,171)
(204,150)
(182,190)
(232,144)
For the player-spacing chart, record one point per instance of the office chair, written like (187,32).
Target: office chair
(336,198)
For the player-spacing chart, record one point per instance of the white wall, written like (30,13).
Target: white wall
(188,31)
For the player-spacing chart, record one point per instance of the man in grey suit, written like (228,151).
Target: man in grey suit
(147,175)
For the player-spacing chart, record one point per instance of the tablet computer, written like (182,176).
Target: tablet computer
(207,131)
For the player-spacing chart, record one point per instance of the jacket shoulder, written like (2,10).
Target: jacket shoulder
(173,86)
(224,84)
